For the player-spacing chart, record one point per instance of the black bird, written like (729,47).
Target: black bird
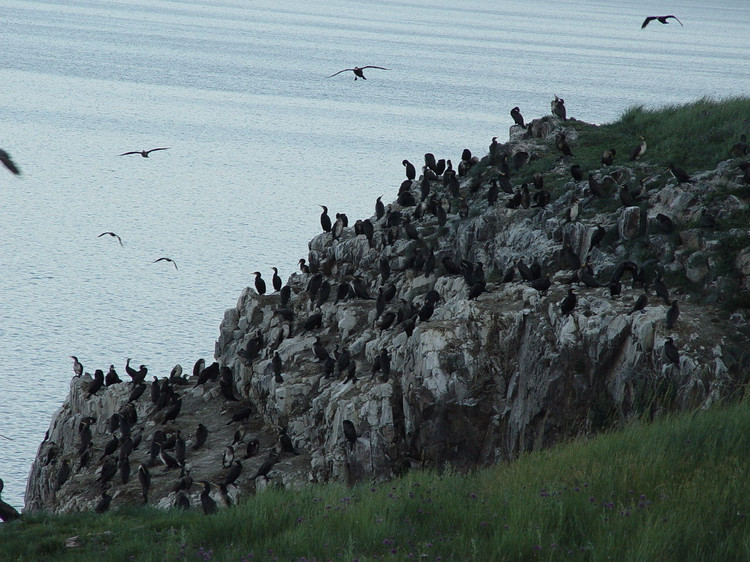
(740,149)
(7,511)
(350,433)
(542,284)
(563,146)
(706,220)
(143,153)
(303,267)
(594,186)
(360,288)
(137,376)
(608,156)
(558,108)
(111,377)
(267,465)
(227,457)
(168,460)
(260,285)
(379,207)
(568,303)
(661,289)
(233,473)
(411,173)
(576,172)
(286,442)
(285,293)
(276,280)
(252,448)
(207,502)
(599,233)
(673,314)
(77,366)
(108,470)
(110,447)
(180,449)
(136,392)
(670,350)
(515,113)
(313,322)
(660,19)
(173,410)
(181,501)
(640,304)
(357,70)
(124,466)
(96,384)
(113,235)
(277,367)
(680,175)
(477,289)
(8,163)
(639,150)
(104,502)
(384,360)
(325,220)
(241,415)
(174,263)
(144,477)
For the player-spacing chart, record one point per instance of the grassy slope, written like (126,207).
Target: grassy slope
(674,490)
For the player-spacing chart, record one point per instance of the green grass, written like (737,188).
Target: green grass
(676,489)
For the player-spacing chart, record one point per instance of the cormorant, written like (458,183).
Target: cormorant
(104,502)
(241,415)
(286,442)
(303,267)
(599,233)
(350,433)
(576,172)
(572,212)
(77,366)
(360,289)
(740,149)
(8,163)
(110,447)
(568,303)
(107,471)
(113,235)
(180,449)
(168,460)
(673,314)
(7,511)
(124,467)
(277,365)
(608,156)
(207,502)
(260,285)
(144,477)
(276,280)
(357,70)
(640,304)
(558,108)
(639,150)
(313,322)
(661,289)
(670,350)
(379,207)
(325,220)
(411,171)
(267,465)
(594,186)
(660,19)
(96,384)
(143,153)
(706,220)
(679,174)
(515,113)
(542,284)
(173,410)
(252,448)
(111,376)
(181,501)
(174,263)
(562,145)
(233,473)
(63,473)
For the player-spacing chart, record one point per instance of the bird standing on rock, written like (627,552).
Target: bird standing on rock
(325,220)
(260,285)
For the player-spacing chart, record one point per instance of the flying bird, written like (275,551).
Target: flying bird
(113,235)
(8,163)
(167,259)
(357,70)
(143,153)
(662,19)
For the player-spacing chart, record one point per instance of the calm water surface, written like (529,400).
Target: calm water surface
(258,139)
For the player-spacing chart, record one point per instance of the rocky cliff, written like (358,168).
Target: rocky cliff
(486,312)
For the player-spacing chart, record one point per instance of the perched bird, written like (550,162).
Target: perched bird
(660,19)
(640,304)
(276,280)
(233,473)
(670,350)
(241,415)
(680,175)
(253,446)
(563,146)
(411,174)
(608,156)
(558,108)
(515,113)
(568,303)
(7,511)
(97,383)
(8,163)
(181,501)
(639,150)
(357,70)
(260,285)
(286,442)
(63,473)
(174,263)
(267,465)
(143,153)
(201,434)
(325,220)
(576,172)
(707,220)
(207,502)
(77,366)
(673,314)
(740,148)
(113,235)
(144,477)
(111,377)
(104,502)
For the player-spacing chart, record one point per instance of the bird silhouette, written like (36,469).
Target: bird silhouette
(8,163)
(113,235)
(662,19)
(167,259)
(357,70)
(143,153)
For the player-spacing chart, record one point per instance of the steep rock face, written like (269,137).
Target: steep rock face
(492,370)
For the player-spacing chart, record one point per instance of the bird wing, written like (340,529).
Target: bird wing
(155,149)
(5,159)
(647,20)
(339,72)
(675,18)
(380,67)
(167,259)
(131,152)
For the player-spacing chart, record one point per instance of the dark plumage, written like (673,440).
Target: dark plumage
(104,502)
(568,303)
(576,172)
(96,384)
(660,19)
(63,473)
(558,108)
(267,465)
(8,163)
(640,303)
(241,415)
(608,156)
(325,220)
(350,433)
(639,150)
(144,477)
(111,377)
(679,174)
(673,314)
(143,153)
(113,235)
(515,113)
(260,284)
(7,512)
(670,350)
(207,502)
(233,473)
(170,260)
(357,70)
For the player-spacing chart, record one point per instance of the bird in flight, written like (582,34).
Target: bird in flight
(357,70)
(5,159)
(113,235)
(143,153)
(662,19)
(167,259)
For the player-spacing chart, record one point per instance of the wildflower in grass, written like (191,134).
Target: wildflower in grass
(592,499)
(537,547)
(576,489)
(473,496)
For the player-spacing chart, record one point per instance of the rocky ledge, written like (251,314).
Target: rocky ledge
(440,330)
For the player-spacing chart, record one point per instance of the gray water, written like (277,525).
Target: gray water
(258,137)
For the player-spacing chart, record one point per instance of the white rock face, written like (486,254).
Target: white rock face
(475,382)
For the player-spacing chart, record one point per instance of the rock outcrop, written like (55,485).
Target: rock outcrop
(466,367)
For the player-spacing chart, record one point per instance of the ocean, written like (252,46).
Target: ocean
(258,137)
